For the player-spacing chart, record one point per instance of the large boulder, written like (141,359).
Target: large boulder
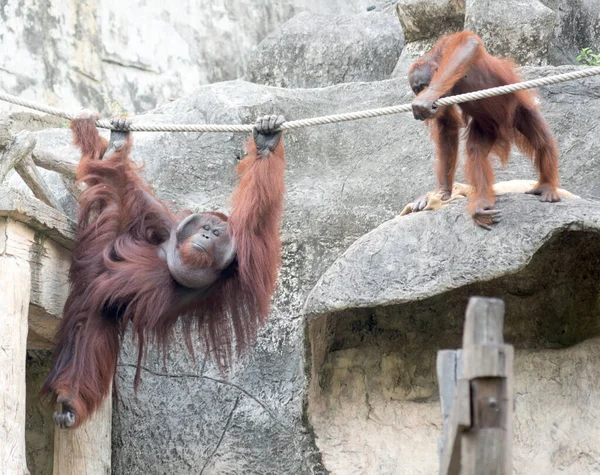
(577,27)
(343,180)
(518,29)
(423,23)
(423,19)
(379,314)
(316,50)
(410,53)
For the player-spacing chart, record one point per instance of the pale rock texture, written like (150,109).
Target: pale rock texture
(314,50)
(110,55)
(519,29)
(423,19)
(577,27)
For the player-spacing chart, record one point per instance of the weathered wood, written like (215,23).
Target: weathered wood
(449,370)
(34,180)
(14,302)
(86,449)
(37,215)
(485,361)
(71,186)
(477,437)
(48,258)
(50,161)
(458,422)
(484,322)
(20,147)
(488,365)
(49,263)
(34,259)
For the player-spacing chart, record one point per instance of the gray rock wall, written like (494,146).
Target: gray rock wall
(517,29)
(531,32)
(321,50)
(110,55)
(577,27)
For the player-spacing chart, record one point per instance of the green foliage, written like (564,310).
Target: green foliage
(588,57)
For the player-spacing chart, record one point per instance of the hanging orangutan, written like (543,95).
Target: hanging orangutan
(136,262)
(457,64)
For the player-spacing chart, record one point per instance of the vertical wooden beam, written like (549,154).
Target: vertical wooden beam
(15,288)
(34,259)
(449,371)
(87,449)
(488,365)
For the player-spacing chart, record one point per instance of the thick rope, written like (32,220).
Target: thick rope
(328,119)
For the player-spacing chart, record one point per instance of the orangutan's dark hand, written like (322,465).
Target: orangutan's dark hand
(265,136)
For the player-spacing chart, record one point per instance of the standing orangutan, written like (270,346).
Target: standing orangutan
(458,64)
(135,262)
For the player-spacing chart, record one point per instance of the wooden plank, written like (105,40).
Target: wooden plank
(87,449)
(14,303)
(459,421)
(446,373)
(449,362)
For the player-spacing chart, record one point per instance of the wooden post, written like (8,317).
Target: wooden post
(15,287)
(488,365)
(477,437)
(85,450)
(35,243)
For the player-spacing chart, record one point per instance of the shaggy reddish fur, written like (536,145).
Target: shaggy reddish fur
(117,278)
(492,124)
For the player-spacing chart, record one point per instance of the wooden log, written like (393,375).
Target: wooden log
(66,168)
(15,289)
(33,179)
(488,365)
(50,161)
(20,147)
(41,238)
(87,449)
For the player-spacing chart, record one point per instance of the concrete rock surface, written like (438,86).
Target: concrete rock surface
(314,50)
(424,19)
(577,27)
(519,29)
(109,55)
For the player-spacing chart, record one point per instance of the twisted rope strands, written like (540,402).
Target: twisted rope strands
(328,119)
